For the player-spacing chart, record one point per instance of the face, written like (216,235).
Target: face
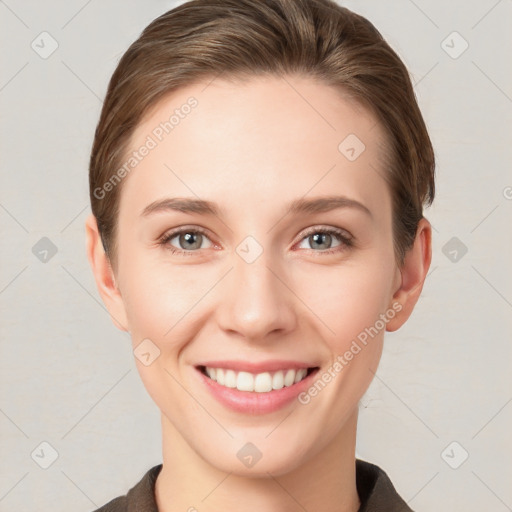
(261,278)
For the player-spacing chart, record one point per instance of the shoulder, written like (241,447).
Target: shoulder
(118,504)
(376,491)
(140,497)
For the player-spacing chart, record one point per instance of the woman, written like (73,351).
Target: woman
(257,184)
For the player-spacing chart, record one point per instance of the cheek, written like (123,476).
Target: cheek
(156,295)
(158,305)
(350,300)
(165,304)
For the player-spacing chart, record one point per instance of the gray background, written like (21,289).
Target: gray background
(68,376)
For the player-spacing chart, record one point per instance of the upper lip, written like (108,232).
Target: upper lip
(261,367)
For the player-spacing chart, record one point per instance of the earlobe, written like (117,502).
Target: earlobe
(412,275)
(104,275)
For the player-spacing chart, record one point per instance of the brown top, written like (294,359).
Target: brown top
(376,492)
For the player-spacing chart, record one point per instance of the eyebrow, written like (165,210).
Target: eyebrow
(203,207)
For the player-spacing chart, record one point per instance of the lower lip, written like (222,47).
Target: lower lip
(250,402)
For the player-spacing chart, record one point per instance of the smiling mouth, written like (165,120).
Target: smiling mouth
(258,383)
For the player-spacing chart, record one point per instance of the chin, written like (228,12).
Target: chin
(254,459)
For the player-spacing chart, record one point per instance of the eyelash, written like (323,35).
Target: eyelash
(346,242)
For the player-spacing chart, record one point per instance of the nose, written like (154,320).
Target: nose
(256,302)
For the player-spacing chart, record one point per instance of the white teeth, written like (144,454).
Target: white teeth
(278,380)
(245,382)
(300,375)
(259,383)
(289,378)
(230,379)
(263,382)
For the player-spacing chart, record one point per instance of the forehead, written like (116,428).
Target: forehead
(267,138)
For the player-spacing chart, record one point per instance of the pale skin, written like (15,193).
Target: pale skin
(253,148)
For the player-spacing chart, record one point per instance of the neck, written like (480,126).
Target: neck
(325,483)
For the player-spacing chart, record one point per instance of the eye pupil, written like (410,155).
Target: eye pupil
(189,238)
(323,237)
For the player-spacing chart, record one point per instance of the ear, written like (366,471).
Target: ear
(413,274)
(104,275)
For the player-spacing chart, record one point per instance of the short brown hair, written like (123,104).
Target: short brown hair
(244,38)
